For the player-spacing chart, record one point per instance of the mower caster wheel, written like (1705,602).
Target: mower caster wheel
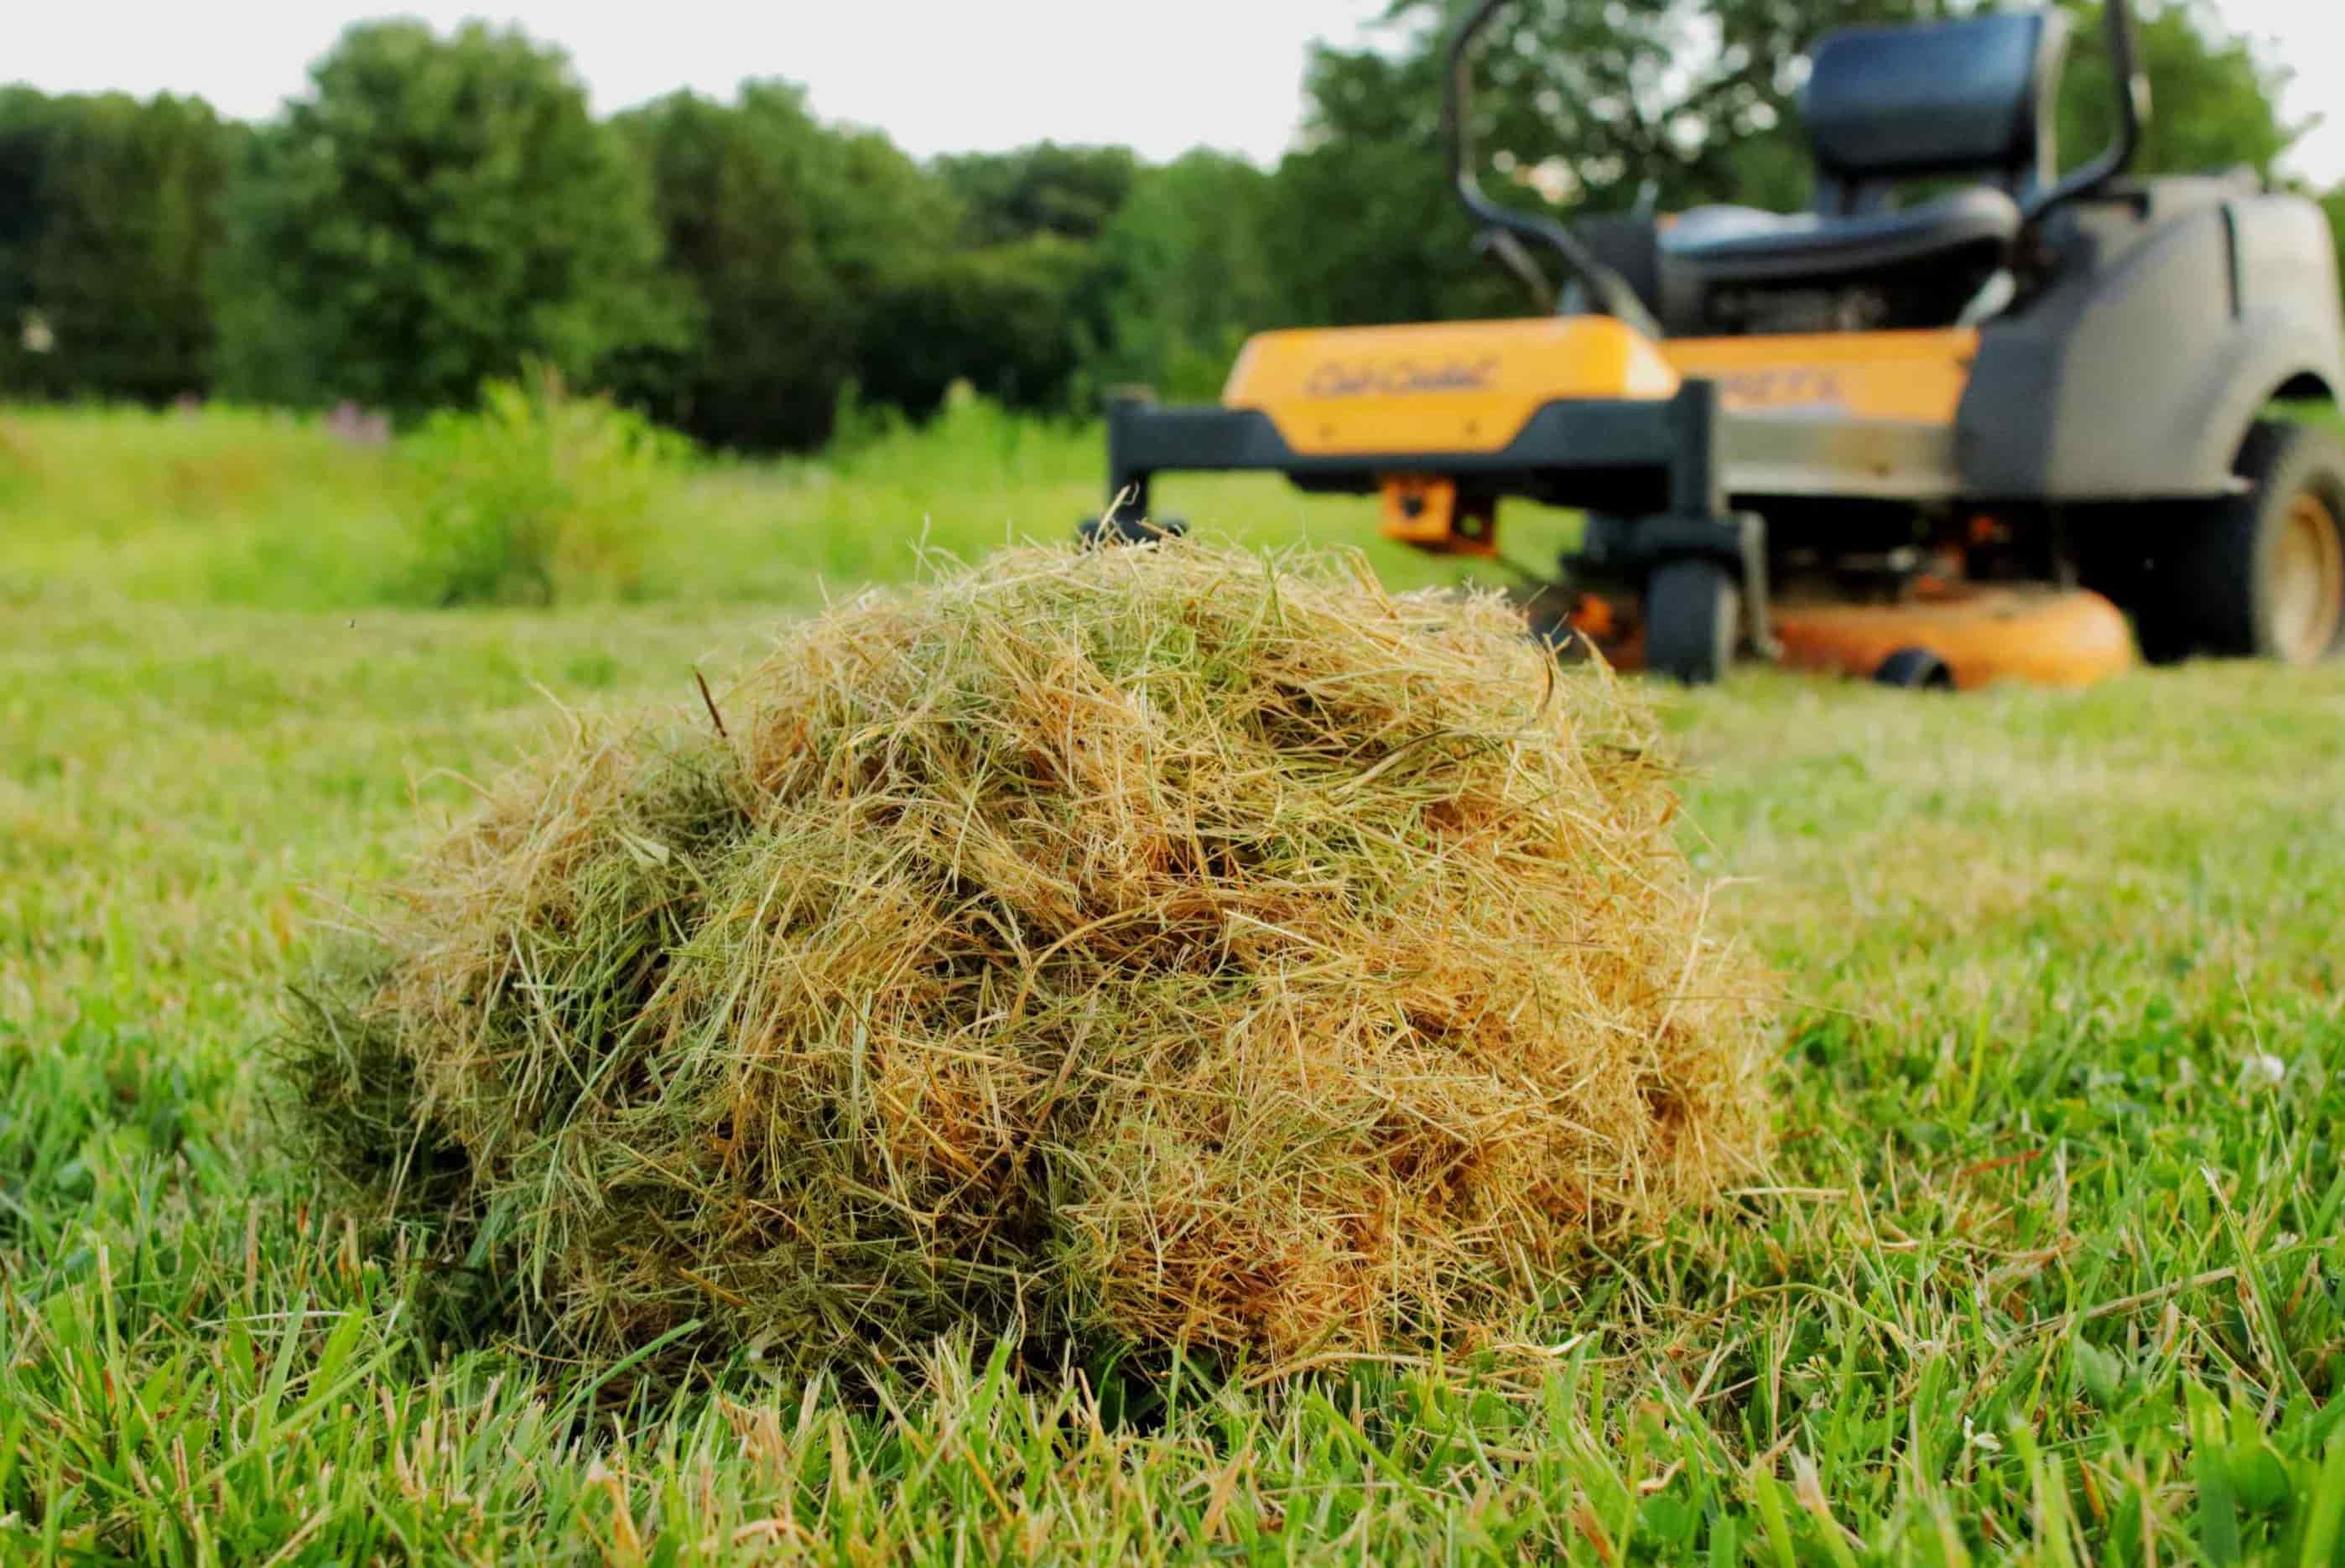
(1693,615)
(1121,529)
(1915,669)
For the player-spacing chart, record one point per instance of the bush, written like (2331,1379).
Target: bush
(538,497)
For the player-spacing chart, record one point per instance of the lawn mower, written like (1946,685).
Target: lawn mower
(1948,428)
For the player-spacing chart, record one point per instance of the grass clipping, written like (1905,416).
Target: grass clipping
(1159,946)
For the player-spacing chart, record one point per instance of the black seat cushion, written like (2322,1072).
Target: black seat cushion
(1736,269)
(1745,245)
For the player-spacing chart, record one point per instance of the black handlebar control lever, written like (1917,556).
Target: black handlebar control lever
(1610,290)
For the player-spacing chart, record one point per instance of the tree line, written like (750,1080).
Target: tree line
(440,209)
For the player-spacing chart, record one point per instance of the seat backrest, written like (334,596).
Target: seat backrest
(1972,97)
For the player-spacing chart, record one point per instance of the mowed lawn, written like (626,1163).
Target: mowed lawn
(2050,1267)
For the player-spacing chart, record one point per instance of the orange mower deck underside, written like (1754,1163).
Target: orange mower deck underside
(1983,634)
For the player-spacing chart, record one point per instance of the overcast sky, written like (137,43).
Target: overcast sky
(939,76)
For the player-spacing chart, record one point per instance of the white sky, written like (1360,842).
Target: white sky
(939,76)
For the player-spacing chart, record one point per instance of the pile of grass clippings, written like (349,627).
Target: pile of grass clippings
(1153,946)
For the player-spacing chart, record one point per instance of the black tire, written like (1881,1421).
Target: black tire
(1693,620)
(2261,574)
(1915,669)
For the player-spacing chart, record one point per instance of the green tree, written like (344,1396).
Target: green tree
(1581,108)
(438,211)
(1364,225)
(1024,311)
(876,210)
(773,347)
(1017,323)
(109,211)
(1188,263)
(2214,104)
(28,132)
(784,234)
(1590,108)
(1677,102)
(1073,192)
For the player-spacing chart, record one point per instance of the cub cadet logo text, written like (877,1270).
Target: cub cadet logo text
(1337,379)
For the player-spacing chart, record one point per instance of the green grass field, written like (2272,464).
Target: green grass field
(2050,1268)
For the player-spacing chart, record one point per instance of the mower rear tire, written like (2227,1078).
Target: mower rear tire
(1693,620)
(2261,574)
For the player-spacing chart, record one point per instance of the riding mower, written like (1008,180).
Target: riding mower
(1941,442)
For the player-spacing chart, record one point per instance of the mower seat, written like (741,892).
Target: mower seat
(1717,244)
(1967,99)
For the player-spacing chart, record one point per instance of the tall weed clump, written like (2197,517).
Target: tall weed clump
(1160,947)
(536,497)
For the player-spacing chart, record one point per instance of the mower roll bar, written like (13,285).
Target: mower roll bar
(2133,113)
(1611,291)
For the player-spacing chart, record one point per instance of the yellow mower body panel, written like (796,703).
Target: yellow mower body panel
(1911,376)
(1438,387)
(1471,386)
